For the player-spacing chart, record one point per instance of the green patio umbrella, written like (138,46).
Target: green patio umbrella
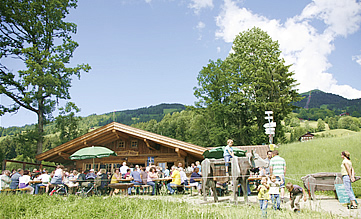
(217,152)
(92,153)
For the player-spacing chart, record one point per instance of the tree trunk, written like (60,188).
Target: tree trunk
(39,148)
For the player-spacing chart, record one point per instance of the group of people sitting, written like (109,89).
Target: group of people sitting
(149,175)
(33,181)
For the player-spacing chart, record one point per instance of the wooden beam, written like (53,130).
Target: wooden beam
(120,135)
(149,144)
(64,155)
(180,152)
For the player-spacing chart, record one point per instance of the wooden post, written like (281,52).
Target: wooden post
(24,164)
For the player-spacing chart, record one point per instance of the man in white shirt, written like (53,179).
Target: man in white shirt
(5,180)
(123,169)
(45,178)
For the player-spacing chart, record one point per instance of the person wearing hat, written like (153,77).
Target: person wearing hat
(91,175)
(348,176)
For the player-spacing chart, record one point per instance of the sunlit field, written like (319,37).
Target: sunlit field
(322,155)
(43,206)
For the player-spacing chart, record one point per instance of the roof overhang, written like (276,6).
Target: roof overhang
(113,131)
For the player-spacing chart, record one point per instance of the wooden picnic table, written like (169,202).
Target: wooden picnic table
(198,179)
(124,180)
(35,181)
(123,186)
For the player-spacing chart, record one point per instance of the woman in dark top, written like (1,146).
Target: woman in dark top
(196,175)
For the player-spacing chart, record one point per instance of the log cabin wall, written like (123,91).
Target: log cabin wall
(135,152)
(133,145)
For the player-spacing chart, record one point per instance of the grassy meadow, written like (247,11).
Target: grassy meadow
(43,206)
(322,155)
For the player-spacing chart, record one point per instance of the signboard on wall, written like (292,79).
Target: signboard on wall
(150,160)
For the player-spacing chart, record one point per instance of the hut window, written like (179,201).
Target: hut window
(121,144)
(88,166)
(134,144)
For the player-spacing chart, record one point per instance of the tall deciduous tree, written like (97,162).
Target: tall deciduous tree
(251,80)
(35,33)
(67,124)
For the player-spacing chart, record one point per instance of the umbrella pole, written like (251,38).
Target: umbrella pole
(93,165)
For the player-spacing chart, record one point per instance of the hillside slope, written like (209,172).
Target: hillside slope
(321,155)
(320,99)
(127,117)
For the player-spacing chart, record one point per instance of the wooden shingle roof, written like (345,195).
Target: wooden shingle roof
(109,133)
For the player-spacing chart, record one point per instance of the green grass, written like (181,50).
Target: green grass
(322,155)
(335,133)
(43,206)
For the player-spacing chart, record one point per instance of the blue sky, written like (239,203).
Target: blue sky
(147,52)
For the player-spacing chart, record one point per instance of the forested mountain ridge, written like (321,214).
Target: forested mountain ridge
(127,117)
(333,102)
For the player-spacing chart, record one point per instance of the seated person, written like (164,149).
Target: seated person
(104,180)
(195,175)
(116,176)
(143,175)
(58,175)
(115,179)
(15,179)
(72,181)
(127,175)
(45,178)
(82,179)
(176,180)
(24,182)
(136,179)
(5,180)
(184,179)
(90,177)
(152,175)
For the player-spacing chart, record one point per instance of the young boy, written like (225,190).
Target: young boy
(263,196)
(296,193)
(274,191)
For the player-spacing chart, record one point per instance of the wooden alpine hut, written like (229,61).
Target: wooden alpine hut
(135,146)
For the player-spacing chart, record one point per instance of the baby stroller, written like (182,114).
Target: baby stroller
(59,189)
(89,188)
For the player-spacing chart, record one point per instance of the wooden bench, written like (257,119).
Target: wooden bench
(177,188)
(145,187)
(15,190)
(137,188)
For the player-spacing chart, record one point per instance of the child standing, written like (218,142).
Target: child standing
(263,196)
(228,153)
(274,191)
(296,193)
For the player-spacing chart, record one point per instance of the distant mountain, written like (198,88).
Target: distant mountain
(127,117)
(334,102)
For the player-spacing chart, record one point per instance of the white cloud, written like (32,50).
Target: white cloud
(218,49)
(201,25)
(301,44)
(197,5)
(341,17)
(357,59)
(148,1)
